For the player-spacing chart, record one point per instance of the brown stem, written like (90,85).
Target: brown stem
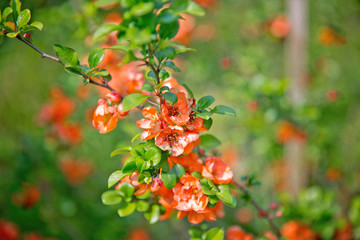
(274,228)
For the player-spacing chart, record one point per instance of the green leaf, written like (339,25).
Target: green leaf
(135,137)
(77,71)
(153,215)
(127,189)
(37,25)
(122,47)
(225,195)
(95,57)
(166,16)
(133,100)
(214,234)
(147,87)
(139,162)
(7,11)
(188,89)
(142,206)
(224,110)
(104,30)
(111,197)
(170,97)
(172,66)
(207,123)
(169,30)
(23,18)
(205,102)
(142,9)
(67,56)
(204,115)
(126,209)
(116,177)
(194,9)
(16,7)
(180,171)
(169,179)
(130,165)
(209,141)
(120,151)
(154,155)
(182,50)
(12,34)
(129,57)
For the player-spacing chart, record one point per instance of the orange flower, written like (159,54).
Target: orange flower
(216,170)
(195,124)
(188,195)
(270,236)
(138,234)
(29,196)
(208,214)
(280,27)
(8,231)
(120,111)
(206,3)
(154,186)
(294,230)
(70,133)
(75,171)
(186,28)
(328,37)
(175,139)
(152,123)
(287,132)
(332,95)
(114,96)
(179,113)
(190,162)
(173,83)
(236,233)
(105,117)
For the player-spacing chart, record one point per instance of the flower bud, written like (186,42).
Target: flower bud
(120,110)
(114,97)
(101,101)
(201,152)
(273,206)
(27,36)
(278,214)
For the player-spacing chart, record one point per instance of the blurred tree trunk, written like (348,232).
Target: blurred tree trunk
(296,60)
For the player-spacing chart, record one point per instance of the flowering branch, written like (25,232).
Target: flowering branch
(262,211)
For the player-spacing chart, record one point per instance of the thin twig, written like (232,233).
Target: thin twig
(43,55)
(274,228)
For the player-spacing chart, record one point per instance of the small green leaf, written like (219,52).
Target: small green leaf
(133,100)
(204,114)
(135,137)
(224,110)
(172,65)
(116,177)
(111,197)
(104,30)
(182,50)
(77,71)
(169,30)
(226,197)
(127,189)
(153,215)
(130,165)
(37,25)
(170,97)
(194,9)
(12,34)
(95,57)
(7,11)
(209,141)
(147,87)
(214,234)
(142,206)
(154,155)
(207,123)
(120,151)
(169,179)
(16,7)
(126,208)
(205,102)
(23,18)
(122,47)
(142,9)
(67,56)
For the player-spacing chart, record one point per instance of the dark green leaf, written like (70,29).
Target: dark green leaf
(169,30)
(224,110)
(147,87)
(126,208)
(95,57)
(209,141)
(188,89)
(130,165)
(205,102)
(167,16)
(172,66)
(170,97)
(133,100)
(23,18)
(207,123)
(67,56)
(204,115)
(169,179)
(164,88)
(111,197)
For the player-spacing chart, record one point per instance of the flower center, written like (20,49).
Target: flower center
(173,111)
(171,138)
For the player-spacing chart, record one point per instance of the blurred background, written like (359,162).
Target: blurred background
(292,77)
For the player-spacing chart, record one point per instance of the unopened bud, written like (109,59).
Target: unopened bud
(273,206)
(278,214)
(114,97)
(262,214)
(27,36)
(120,110)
